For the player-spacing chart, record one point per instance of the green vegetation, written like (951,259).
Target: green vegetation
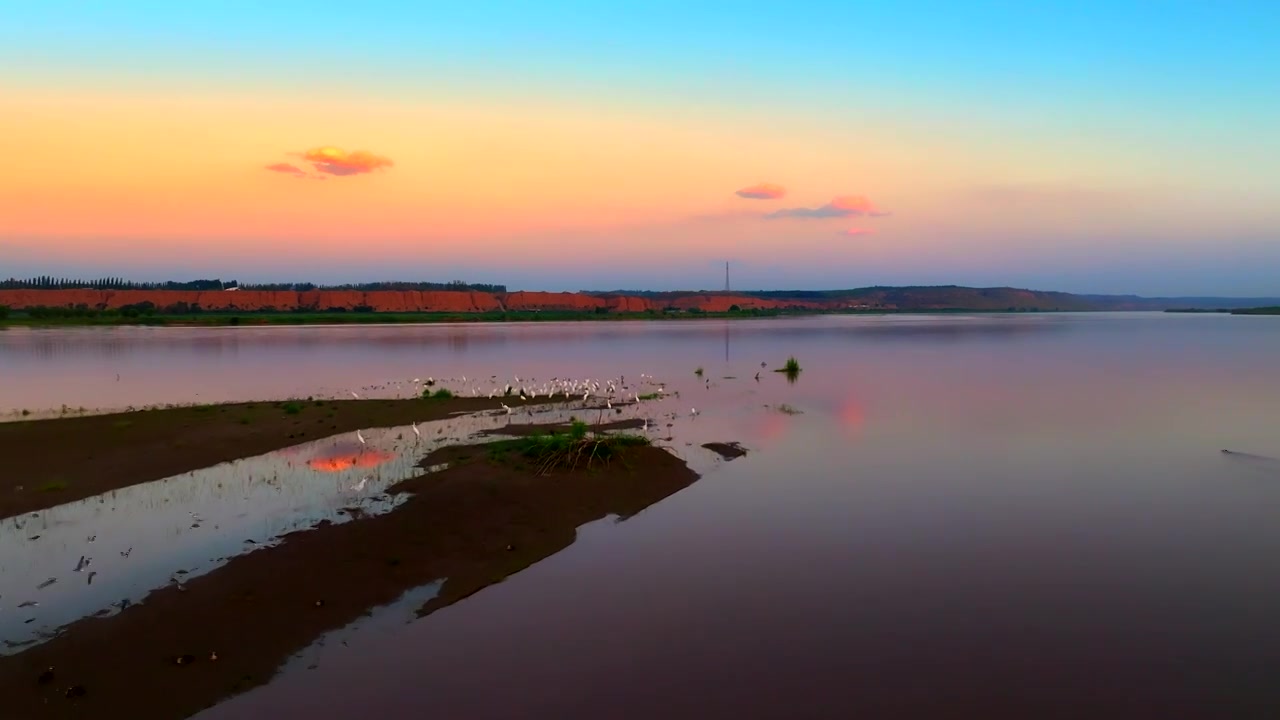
(4,312)
(53,486)
(292,407)
(789,410)
(441,394)
(648,396)
(1274,310)
(192,315)
(791,369)
(565,451)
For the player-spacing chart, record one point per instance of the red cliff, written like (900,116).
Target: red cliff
(408,301)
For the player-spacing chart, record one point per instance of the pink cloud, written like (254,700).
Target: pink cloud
(858,231)
(336,161)
(840,207)
(762,191)
(285,168)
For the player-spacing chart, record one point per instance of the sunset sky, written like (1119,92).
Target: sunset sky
(1080,146)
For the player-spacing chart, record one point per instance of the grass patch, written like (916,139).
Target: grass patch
(245,421)
(791,367)
(788,410)
(649,396)
(577,448)
(441,394)
(292,407)
(53,486)
(122,423)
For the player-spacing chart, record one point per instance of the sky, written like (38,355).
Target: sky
(1109,147)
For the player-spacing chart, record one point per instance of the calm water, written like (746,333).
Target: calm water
(968,513)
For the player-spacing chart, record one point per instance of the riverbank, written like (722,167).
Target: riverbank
(188,646)
(56,461)
(93,318)
(1235,311)
(257,319)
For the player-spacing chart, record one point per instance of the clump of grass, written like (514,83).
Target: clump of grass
(122,423)
(698,372)
(53,486)
(292,407)
(788,410)
(650,396)
(441,394)
(791,367)
(571,450)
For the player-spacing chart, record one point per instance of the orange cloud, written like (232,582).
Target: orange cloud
(858,231)
(840,207)
(336,161)
(762,191)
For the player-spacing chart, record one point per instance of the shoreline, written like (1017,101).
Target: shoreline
(471,525)
(54,461)
(286,319)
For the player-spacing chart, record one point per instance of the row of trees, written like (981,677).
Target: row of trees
(48,282)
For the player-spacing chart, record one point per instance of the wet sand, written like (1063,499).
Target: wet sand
(472,524)
(51,462)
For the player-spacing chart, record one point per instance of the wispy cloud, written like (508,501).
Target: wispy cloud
(851,232)
(336,161)
(762,191)
(286,168)
(840,207)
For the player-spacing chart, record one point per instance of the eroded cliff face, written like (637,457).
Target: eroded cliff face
(254,300)
(321,300)
(390,301)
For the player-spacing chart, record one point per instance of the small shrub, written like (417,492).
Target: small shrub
(441,394)
(566,451)
(292,407)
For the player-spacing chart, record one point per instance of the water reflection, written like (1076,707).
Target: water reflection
(138,538)
(1030,505)
(114,368)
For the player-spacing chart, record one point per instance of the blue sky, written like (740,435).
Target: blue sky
(1155,119)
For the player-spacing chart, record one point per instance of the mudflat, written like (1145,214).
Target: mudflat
(51,462)
(483,518)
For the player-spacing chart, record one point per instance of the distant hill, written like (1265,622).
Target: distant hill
(1134,302)
(957,297)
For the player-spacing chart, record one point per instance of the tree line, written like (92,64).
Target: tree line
(48,282)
